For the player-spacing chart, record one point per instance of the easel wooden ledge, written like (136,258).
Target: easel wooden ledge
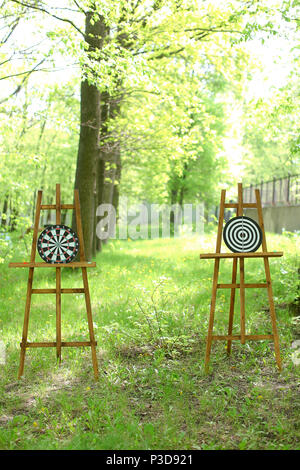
(239,206)
(83,264)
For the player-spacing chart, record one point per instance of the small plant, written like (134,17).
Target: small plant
(160,323)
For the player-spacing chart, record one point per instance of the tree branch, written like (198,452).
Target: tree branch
(13,27)
(79,7)
(27,74)
(43,10)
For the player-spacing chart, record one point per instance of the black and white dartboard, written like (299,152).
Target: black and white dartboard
(58,244)
(242,234)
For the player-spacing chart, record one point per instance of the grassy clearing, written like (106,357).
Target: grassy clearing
(150,304)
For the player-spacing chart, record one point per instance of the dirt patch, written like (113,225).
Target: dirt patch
(5,419)
(135,351)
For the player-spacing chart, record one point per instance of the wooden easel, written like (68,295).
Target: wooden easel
(241,285)
(83,264)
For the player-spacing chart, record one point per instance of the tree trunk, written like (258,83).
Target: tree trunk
(116,191)
(88,149)
(99,196)
(100,183)
(4,211)
(86,161)
(174,195)
(114,111)
(109,158)
(13,215)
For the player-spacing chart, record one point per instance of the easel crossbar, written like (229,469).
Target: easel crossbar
(251,254)
(73,264)
(79,290)
(238,337)
(53,206)
(237,286)
(246,205)
(53,344)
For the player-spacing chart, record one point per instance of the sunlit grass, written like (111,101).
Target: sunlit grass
(150,302)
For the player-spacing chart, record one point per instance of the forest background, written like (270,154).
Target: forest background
(157,101)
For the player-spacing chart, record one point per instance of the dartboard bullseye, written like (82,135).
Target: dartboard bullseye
(58,244)
(242,234)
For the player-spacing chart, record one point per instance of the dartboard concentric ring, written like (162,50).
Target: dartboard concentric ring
(242,234)
(58,244)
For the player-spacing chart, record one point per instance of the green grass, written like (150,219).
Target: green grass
(150,303)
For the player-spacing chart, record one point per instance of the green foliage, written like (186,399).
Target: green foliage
(171,132)
(171,66)
(271,136)
(38,138)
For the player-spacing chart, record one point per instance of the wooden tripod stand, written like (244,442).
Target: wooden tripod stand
(241,285)
(83,264)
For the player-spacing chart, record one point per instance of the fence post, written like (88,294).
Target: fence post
(274,192)
(288,189)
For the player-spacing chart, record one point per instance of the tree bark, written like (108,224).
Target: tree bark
(116,191)
(86,160)
(4,211)
(88,149)
(109,161)
(99,195)
(13,215)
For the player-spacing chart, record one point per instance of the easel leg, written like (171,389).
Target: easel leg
(232,300)
(58,314)
(242,300)
(90,321)
(268,279)
(26,322)
(272,313)
(29,285)
(58,283)
(211,315)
